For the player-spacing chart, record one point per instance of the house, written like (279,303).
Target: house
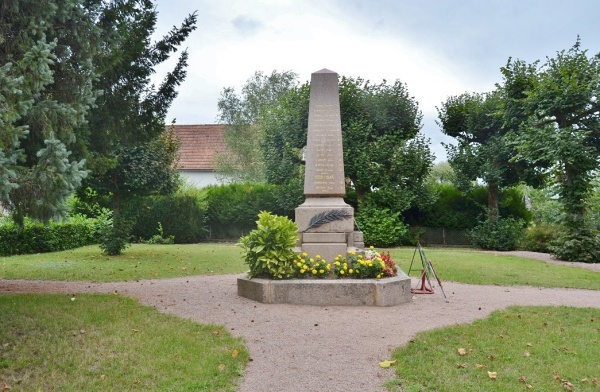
(199,147)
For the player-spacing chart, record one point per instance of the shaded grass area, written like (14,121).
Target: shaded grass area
(139,261)
(472,267)
(111,343)
(537,348)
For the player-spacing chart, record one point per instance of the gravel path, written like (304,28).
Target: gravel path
(309,348)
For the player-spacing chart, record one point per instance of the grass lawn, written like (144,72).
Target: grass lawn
(517,349)
(139,261)
(473,267)
(110,343)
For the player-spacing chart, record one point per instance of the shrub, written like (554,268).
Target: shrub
(538,238)
(500,234)
(160,239)
(112,238)
(37,238)
(454,209)
(181,216)
(380,227)
(232,209)
(268,248)
(581,245)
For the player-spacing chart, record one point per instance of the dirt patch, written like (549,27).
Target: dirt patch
(311,348)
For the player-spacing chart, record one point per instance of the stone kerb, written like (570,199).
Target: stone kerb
(329,292)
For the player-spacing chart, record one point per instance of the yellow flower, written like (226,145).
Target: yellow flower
(379,276)
(302,271)
(304,254)
(299,264)
(312,260)
(371,247)
(352,253)
(350,270)
(342,272)
(328,267)
(321,271)
(345,266)
(318,256)
(314,271)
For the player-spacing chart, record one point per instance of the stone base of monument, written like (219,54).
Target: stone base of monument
(328,292)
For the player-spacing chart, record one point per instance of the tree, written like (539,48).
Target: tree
(124,130)
(242,160)
(385,157)
(483,151)
(47,51)
(560,132)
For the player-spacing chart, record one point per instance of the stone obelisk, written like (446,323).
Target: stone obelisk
(325,222)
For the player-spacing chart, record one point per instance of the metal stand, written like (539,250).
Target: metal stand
(423,289)
(426,273)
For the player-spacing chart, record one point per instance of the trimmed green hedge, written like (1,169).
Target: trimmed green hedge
(232,209)
(37,238)
(181,215)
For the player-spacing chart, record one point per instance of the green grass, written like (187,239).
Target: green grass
(142,261)
(139,261)
(111,343)
(473,267)
(544,347)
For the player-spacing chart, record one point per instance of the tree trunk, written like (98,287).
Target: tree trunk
(493,196)
(360,194)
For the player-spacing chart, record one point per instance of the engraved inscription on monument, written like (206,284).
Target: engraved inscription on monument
(324,160)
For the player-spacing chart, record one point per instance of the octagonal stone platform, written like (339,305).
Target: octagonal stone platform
(328,292)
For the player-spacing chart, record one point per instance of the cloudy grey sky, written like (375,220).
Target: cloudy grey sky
(439,48)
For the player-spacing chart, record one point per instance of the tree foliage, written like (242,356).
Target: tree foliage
(560,133)
(47,51)
(483,150)
(385,157)
(129,152)
(242,160)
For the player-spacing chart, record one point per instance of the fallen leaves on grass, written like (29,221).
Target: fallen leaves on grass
(480,366)
(492,375)
(462,351)
(568,386)
(386,364)
(221,367)
(235,353)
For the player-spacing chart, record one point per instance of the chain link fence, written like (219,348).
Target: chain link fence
(439,236)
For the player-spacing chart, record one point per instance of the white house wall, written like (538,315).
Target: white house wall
(200,179)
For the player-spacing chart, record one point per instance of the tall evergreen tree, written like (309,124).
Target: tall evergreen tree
(46,89)
(126,124)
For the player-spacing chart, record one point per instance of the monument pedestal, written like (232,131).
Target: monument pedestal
(326,228)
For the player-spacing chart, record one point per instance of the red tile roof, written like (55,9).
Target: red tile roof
(199,145)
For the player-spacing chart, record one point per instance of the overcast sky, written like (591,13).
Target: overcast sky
(439,48)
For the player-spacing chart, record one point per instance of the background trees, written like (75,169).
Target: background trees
(560,133)
(129,154)
(243,136)
(383,150)
(75,82)
(47,51)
